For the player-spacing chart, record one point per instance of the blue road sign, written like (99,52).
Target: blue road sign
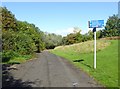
(96,23)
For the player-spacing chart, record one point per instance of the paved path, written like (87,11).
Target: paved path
(49,70)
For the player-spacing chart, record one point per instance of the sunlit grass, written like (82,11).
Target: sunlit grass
(18,59)
(107,59)
(84,47)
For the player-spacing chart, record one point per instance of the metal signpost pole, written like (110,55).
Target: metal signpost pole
(94,30)
(95,24)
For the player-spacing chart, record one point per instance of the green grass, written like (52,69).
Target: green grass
(20,59)
(17,59)
(107,59)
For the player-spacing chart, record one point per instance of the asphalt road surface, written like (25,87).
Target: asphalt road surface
(49,70)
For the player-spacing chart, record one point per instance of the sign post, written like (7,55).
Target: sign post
(94,30)
(95,24)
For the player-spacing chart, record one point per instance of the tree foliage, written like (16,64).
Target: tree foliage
(18,36)
(8,20)
(52,40)
(112,27)
(24,38)
(77,37)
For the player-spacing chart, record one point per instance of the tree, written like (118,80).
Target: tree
(19,37)
(32,31)
(90,35)
(112,27)
(8,20)
(52,40)
(74,37)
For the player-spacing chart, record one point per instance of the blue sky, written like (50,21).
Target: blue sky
(61,17)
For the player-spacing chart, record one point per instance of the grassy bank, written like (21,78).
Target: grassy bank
(107,59)
(11,57)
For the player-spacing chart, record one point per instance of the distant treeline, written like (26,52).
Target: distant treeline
(112,29)
(21,37)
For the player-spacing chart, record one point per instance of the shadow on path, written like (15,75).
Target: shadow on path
(9,81)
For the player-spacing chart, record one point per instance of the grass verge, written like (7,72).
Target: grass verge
(107,59)
(11,57)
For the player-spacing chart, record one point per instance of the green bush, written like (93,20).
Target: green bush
(7,55)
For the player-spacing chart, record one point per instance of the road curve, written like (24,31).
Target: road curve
(49,70)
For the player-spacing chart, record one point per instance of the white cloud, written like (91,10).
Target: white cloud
(84,31)
(64,32)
